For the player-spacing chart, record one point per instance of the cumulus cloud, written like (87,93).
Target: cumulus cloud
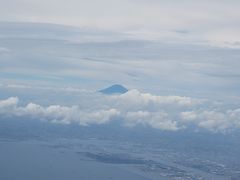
(135,97)
(133,108)
(66,114)
(8,104)
(213,120)
(154,119)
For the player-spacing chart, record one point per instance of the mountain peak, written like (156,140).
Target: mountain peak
(114,89)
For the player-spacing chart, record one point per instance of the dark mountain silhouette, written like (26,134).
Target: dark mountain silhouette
(114,89)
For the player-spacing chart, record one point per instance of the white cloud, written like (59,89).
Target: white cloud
(188,116)
(133,108)
(66,115)
(152,66)
(203,20)
(213,120)
(157,120)
(136,97)
(8,103)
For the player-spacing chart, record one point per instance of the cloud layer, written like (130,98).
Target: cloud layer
(133,108)
(149,66)
(202,21)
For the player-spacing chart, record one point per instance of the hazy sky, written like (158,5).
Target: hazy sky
(181,58)
(215,22)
